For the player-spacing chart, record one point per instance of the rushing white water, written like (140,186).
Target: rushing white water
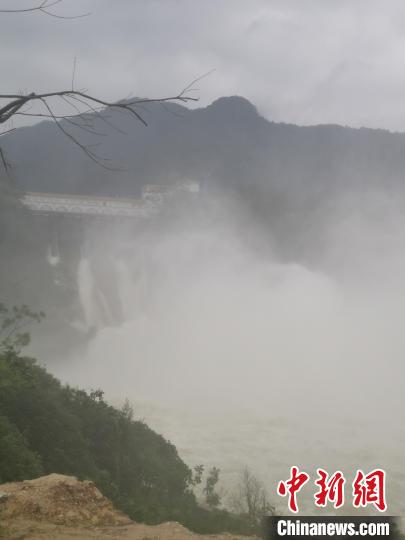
(86,293)
(242,360)
(93,301)
(53,260)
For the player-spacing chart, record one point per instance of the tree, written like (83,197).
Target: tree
(212,498)
(13,324)
(17,460)
(198,472)
(86,107)
(250,499)
(44,7)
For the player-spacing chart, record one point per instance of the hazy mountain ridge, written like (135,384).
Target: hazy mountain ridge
(293,179)
(227,143)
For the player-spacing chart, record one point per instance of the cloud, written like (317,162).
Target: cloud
(302,62)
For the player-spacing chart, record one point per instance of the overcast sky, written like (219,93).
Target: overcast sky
(300,61)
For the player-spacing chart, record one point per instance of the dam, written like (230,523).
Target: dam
(87,237)
(152,199)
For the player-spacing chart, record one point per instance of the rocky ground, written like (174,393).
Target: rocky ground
(58,507)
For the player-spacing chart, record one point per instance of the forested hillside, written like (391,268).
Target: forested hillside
(46,427)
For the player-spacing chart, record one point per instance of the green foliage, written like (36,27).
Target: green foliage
(47,427)
(76,433)
(17,460)
(212,498)
(206,521)
(198,473)
(13,324)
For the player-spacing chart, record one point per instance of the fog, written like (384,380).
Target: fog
(241,357)
(261,324)
(306,63)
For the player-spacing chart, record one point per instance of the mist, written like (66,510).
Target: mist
(241,357)
(208,204)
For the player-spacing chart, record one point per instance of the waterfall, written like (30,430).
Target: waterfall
(94,304)
(53,253)
(86,288)
(52,257)
(110,291)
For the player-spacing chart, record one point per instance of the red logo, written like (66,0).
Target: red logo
(367,488)
(292,486)
(331,488)
(370,489)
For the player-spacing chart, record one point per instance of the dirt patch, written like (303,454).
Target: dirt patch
(58,499)
(58,507)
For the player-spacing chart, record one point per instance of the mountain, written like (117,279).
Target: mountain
(286,174)
(227,143)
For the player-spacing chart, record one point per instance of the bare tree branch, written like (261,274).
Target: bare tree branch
(3,160)
(43,7)
(74,72)
(8,131)
(99,113)
(85,106)
(85,148)
(17,101)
